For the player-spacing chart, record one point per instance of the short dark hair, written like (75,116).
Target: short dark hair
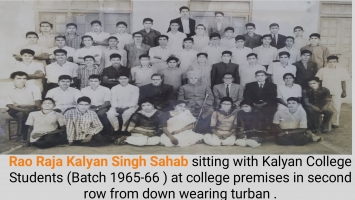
(121,23)
(212,35)
(18,73)
(50,24)
(252,54)
(164,36)
(147,20)
(156,74)
(64,77)
(184,7)
(266,35)
(306,51)
(228,73)
(240,37)
(125,74)
(314,79)
(297,27)
(188,39)
(249,24)
(201,25)
(95,22)
(227,52)
(174,22)
(293,99)
(218,12)
(48,99)
(288,74)
(31,33)
(144,56)
(72,24)
(60,51)
(145,100)
(172,58)
(290,37)
(260,71)
(315,35)
(95,76)
(60,36)
(177,102)
(202,53)
(229,29)
(226,99)
(85,99)
(135,33)
(88,56)
(112,37)
(333,57)
(115,55)
(86,36)
(282,53)
(274,24)
(28,51)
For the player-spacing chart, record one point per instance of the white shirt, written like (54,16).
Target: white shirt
(214,53)
(239,56)
(284,92)
(25,96)
(48,42)
(186,25)
(175,41)
(228,43)
(64,99)
(107,51)
(99,96)
(229,87)
(70,50)
(300,42)
(31,69)
(92,51)
(265,54)
(123,39)
(278,71)
(276,37)
(332,78)
(187,58)
(54,70)
(247,73)
(200,42)
(98,37)
(124,96)
(159,51)
(295,54)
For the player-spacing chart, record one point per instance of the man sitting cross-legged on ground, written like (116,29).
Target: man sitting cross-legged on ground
(144,126)
(46,127)
(290,125)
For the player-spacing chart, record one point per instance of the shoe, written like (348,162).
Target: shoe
(335,126)
(315,138)
(252,143)
(241,142)
(121,140)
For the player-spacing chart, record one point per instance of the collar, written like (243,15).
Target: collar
(96,88)
(50,35)
(74,34)
(288,111)
(225,84)
(110,48)
(261,83)
(56,63)
(47,113)
(14,87)
(149,66)
(96,33)
(166,47)
(262,46)
(78,111)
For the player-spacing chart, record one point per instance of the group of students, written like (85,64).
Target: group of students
(179,88)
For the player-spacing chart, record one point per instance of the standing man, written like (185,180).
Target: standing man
(123,37)
(294,52)
(219,69)
(305,69)
(247,72)
(136,49)
(149,35)
(266,53)
(187,56)
(186,24)
(320,52)
(176,38)
(334,78)
(87,70)
(252,39)
(240,51)
(21,100)
(214,50)
(112,48)
(200,39)
(299,40)
(100,37)
(112,73)
(228,40)
(159,55)
(278,40)
(45,36)
(228,89)
(60,44)
(219,25)
(73,40)
(278,69)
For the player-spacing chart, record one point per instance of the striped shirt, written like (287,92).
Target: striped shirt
(79,125)
(73,42)
(84,73)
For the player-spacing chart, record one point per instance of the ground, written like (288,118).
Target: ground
(336,142)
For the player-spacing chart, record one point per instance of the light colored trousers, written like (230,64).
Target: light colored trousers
(185,138)
(213,140)
(112,116)
(337,105)
(142,140)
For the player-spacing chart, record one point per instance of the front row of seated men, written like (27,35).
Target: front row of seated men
(83,118)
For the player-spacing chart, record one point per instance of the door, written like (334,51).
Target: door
(83,21)
(57,19)
(110,20)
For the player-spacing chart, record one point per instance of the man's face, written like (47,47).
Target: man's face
(163,41)
(174,26)
(305,57)
(284,59)
(314,41)
(228,79)
(71,29)
(32,39)
(47,105)
(96,27)
(147,25)
(292,105)
(64,83)
(27,57)
(266,40)
(313,84)
(123,80)
(172,63)
(115,61)
(226,105)
(200,30)
(20,80)
(289,80)
(229,33)
(180,107)
(226,58)
(219,17)
(60,56)
(215,40)
(147,107)
(144,61)
(188,44)
(251,60)
(45,27)
(89,61)
(112,42)
(274,29)
(60,42)
(202,59)
(156,80)
(246,108)
(332,63)
(138,38)
(250,30)
(121,28)
(94,82)
(240,43)
(298,32)
(289,42)
(193,80)
(83,106)
(260,77)
(184,13)
(87,41)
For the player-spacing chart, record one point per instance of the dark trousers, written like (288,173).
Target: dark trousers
(298,139)
(22,118)
(103,118)
(96,141)
(313,118)
(51,140)
(47,87)
(268,113)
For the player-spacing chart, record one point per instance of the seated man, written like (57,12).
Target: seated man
(64,96)
(21,99)
(158,92)
(247,72)
(228,89)
(100,98)
(305,69)
(46,127)
(219,69)
(60,41)
(290,125)
(199,97)
(263,95)
(124,100)
(110,74)
(144,126)
(287,90)
(228,41)
(187,56)
(83,125)
(278,69)
(317,101)
(86,70)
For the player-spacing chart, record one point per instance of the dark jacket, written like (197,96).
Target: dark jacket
(219,69)
(192,25)
(281,39)
(268,94)
(303,74)
(159,95)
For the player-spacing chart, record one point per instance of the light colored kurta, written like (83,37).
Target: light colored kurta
(239,56)
(31,69)
(64,99)
(175,41)
(200,42)
(123,39)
